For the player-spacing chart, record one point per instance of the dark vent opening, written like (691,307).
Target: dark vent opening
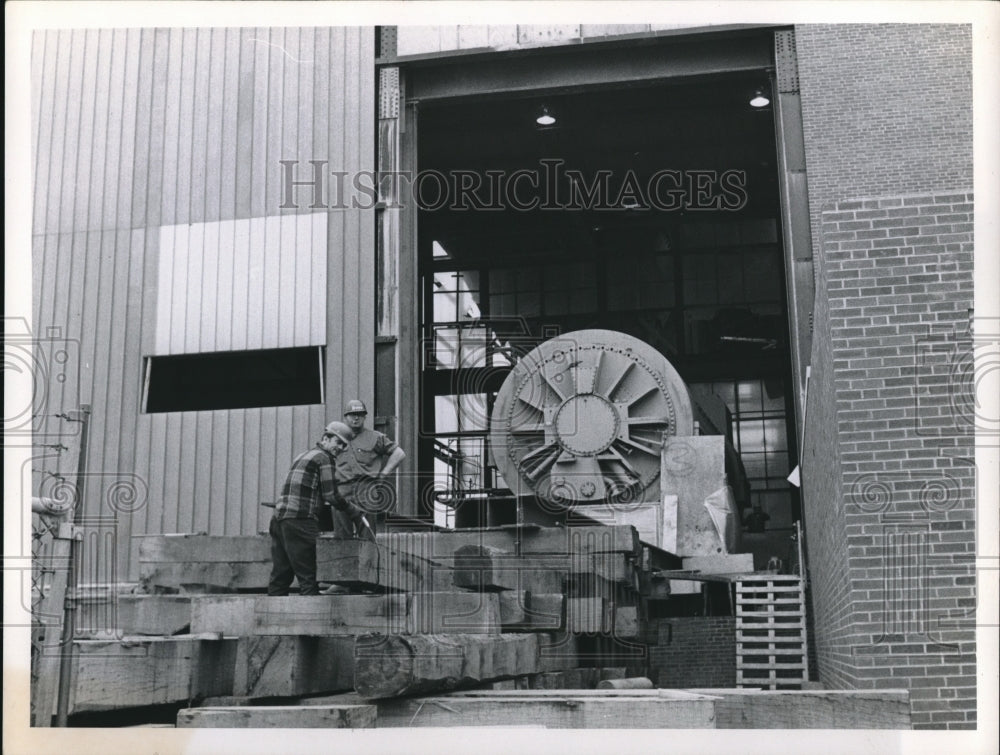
(234,380)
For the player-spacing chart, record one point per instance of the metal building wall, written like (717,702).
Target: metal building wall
(136,131)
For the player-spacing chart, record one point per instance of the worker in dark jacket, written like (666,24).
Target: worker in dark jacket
(309,486)
(370,457)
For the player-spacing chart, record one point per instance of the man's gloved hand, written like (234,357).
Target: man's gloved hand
(365,531)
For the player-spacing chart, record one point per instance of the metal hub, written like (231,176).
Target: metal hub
(586,425)
(583,417)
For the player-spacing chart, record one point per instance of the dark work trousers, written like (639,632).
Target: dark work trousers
(293,554)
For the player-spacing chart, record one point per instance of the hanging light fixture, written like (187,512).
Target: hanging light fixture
(545,117)
(760,99)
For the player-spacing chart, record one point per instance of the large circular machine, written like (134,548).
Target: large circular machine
(582,418)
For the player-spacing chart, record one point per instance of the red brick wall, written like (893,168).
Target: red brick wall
(695,651)
(889,498)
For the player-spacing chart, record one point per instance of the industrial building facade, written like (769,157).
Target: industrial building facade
(213,245)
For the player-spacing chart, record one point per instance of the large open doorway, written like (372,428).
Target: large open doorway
(650,209)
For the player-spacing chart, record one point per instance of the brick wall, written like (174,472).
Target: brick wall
(886,110)
(889,498)
(825,522)
(695,651)
(898,282)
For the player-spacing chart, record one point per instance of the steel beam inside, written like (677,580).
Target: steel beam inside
(565,69)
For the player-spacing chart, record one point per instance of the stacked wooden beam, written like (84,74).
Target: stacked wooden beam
(499,626)
(139,672)
(439,609)
(554,709)
(213,564)
(578,709)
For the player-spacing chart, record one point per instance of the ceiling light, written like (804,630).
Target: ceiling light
(760,99)
(545,117)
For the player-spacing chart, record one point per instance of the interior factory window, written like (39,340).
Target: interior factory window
(760,434)
(233,380)
(459,337)
(462,468)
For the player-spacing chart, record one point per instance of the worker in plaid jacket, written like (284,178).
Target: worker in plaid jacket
(309,486)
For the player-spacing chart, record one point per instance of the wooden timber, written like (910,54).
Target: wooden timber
(575,678)
(184,548)
(603,616)
(487,568)
(293,666)
(518,541)
(154,614)
(279,717)
(633,682)
(658,559)
(587,615)
(557,709)
(626,620)
(206,563)
(202,577)
(232,615)
(521,610)
(355,563)
(325,615)
(820,709)
(388,666)
(453,612)
(557,651)
(225,701)
(366,565)
(340,615)
(142,671)
(569,679)
(729,563)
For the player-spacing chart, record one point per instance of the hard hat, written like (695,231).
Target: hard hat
(355,406)
(341,430)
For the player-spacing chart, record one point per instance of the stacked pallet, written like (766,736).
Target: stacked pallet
(771,647)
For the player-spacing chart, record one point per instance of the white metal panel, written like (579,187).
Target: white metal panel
(268,305)
(249,283)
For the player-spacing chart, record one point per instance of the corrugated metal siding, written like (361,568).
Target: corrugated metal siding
(138,130)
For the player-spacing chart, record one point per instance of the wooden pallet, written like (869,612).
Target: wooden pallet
(771,649)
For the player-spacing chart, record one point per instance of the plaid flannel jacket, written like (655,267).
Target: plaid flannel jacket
(310,483)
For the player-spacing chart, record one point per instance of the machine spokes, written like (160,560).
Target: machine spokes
(592,409)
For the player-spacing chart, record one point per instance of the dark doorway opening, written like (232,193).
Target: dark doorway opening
(651,210)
